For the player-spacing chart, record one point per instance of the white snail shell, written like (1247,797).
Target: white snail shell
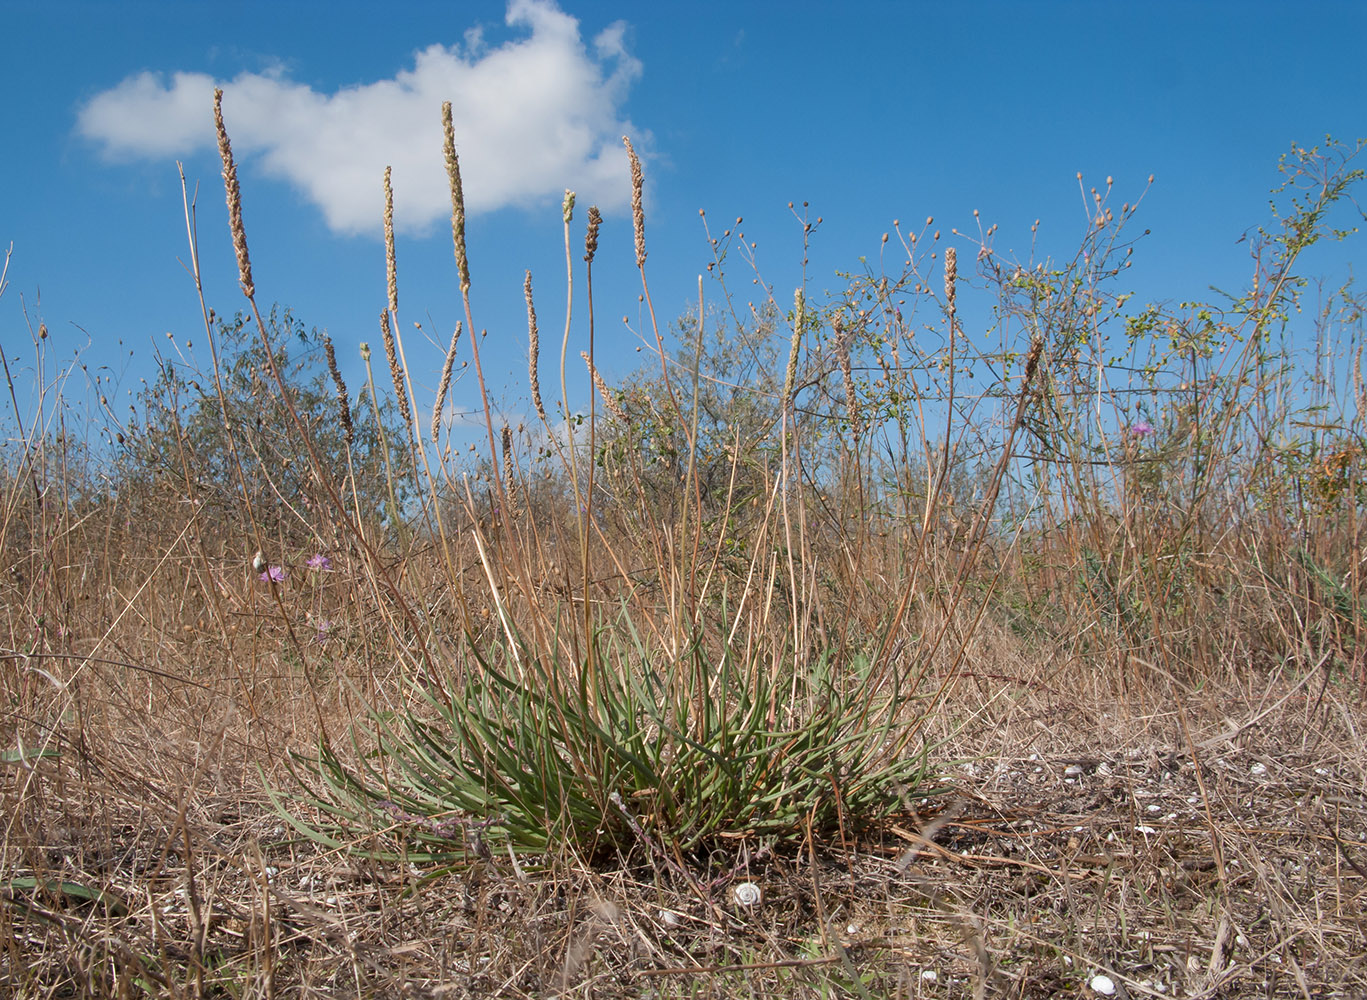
(747,894)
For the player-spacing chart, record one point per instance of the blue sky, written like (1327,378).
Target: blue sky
(881,112)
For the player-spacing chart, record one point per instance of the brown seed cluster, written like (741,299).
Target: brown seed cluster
(638,215)
(951,276)
(842,341)
(794,348)
(391,265)
(343,404)
(225,151)
(457,198)
(1359,389)
(445,385)
(591,237)
(395,371)
(1032,359)
(509,476)
(603,389)
(534,348)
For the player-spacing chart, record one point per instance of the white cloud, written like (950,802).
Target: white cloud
(532,117)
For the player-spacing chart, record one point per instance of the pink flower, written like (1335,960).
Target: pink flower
(1141,428)
(320,562)
(273,574)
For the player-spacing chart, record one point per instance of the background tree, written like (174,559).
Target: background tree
(180,439)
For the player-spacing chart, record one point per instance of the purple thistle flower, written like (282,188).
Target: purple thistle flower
(273,574)
(320,562)
(1141,428)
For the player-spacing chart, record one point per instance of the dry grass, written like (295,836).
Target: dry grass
(1076,838)
(1136,663)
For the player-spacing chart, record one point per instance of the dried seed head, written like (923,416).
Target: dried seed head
(395,372)
(1032,359)
(567,206)
(638,215)
(951,277)
(457,197)
(391,266)
(603,389)
(533,348)
(234,192)
(799,306)
(591,237)
(343,404)
(842,346)
(509,481)
(445,385)
(1359,389)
